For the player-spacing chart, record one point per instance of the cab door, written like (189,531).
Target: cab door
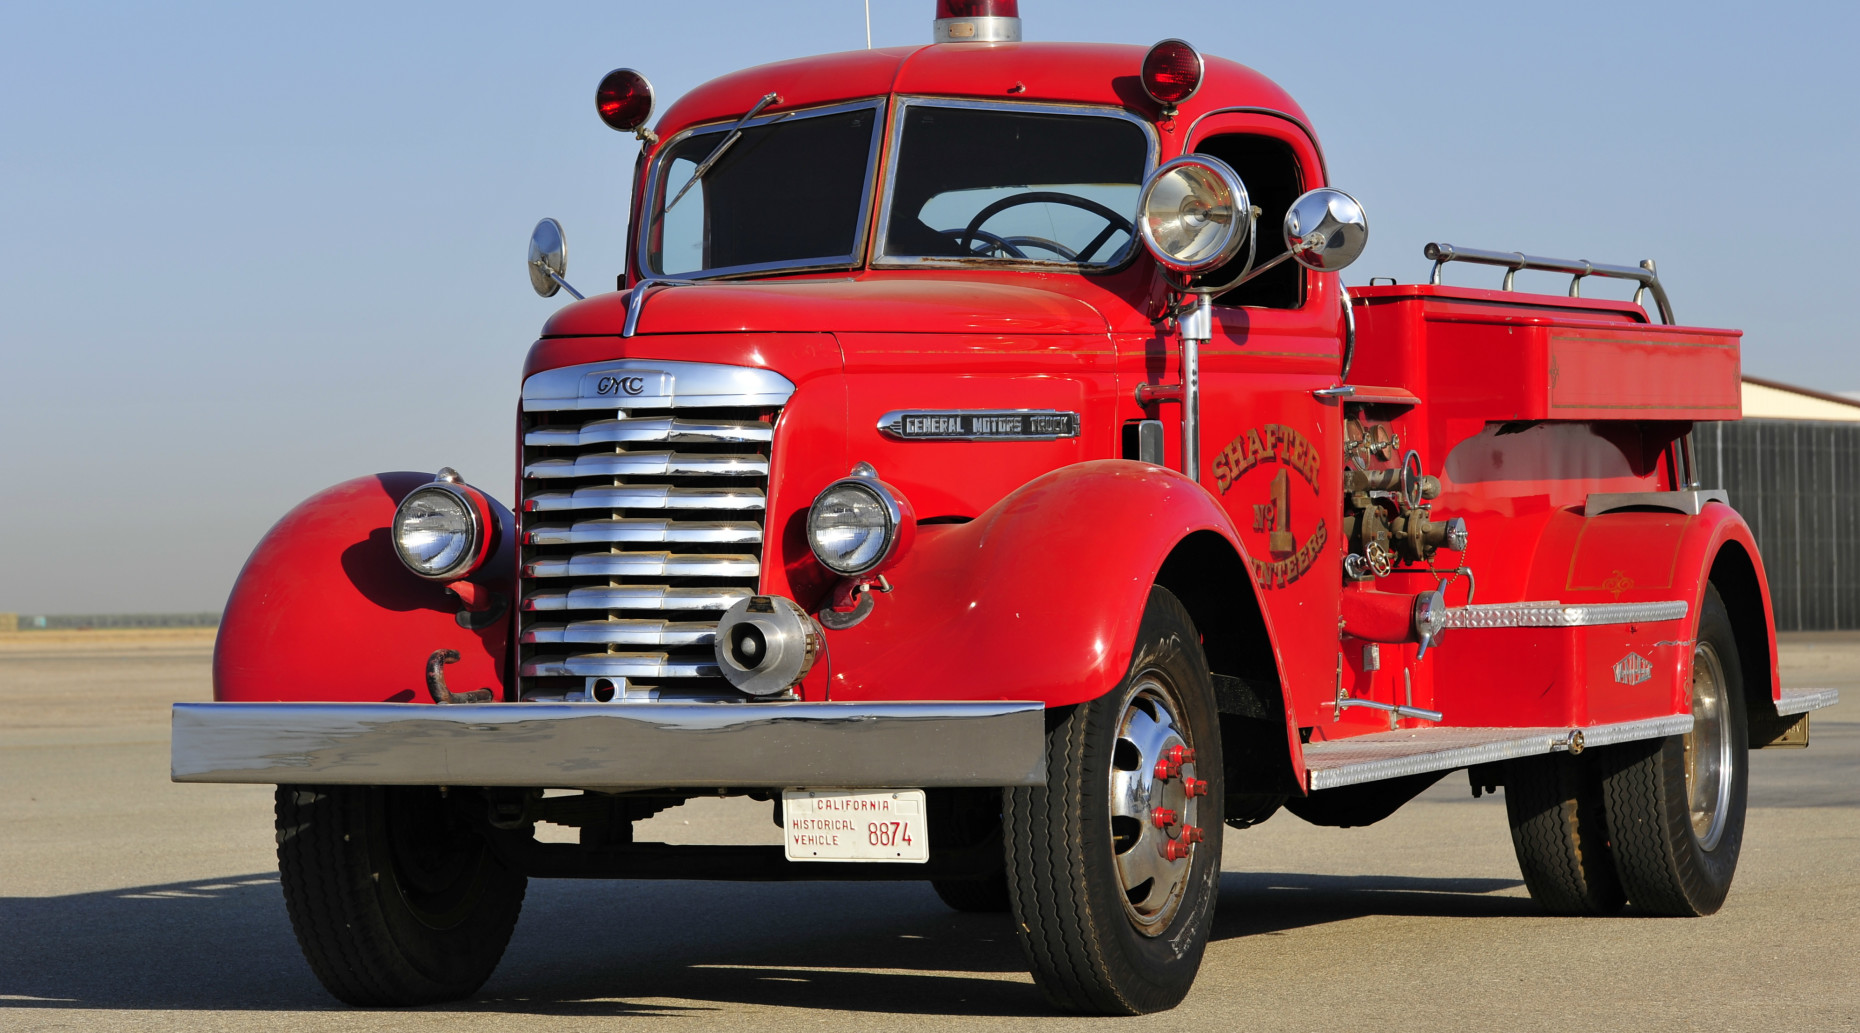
(1270,445)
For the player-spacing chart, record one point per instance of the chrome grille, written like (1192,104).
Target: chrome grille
(642,521)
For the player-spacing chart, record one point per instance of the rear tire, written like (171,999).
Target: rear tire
(1676,805)
(1560,834)
(1112,902)
(395,897)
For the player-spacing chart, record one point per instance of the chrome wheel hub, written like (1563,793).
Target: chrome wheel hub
(1154,806)
(1708,748)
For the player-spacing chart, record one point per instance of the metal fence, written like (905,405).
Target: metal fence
(1798,484)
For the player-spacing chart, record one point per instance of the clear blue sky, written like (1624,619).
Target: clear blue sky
(249,250)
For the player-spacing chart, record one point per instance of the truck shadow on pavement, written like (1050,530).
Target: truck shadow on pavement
(616,949)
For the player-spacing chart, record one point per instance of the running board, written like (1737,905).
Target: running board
(1801,701)
(1380,755)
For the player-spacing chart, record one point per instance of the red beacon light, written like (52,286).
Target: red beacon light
(1172,72)
(977,21)
(624,100)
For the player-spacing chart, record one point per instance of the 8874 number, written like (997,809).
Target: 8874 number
(887,833)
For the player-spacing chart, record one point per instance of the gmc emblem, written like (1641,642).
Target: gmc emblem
(615,385)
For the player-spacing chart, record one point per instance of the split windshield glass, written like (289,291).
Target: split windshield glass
(790,193)
(1013,185)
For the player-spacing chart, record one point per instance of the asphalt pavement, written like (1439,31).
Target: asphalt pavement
(129,902)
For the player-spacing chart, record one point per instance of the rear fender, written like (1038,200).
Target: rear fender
(325,611)
(1040,596)
(1615,672)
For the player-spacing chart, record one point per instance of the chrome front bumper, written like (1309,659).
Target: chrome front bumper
(603,746)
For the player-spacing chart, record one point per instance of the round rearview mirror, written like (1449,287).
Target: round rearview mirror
(1326,229)
(548,254)
(1193,213)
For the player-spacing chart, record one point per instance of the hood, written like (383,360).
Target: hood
(836,306)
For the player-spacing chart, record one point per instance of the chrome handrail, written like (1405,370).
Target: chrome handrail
(1512,261)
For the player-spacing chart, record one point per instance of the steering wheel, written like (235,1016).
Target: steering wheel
(987,244)
(966,237)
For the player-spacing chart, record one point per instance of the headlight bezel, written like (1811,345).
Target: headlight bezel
(899,521)
(478,543)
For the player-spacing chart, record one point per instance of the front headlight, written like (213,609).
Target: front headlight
(859,523)
(438,531)
(850,528)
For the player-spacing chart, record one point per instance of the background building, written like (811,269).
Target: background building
(1792,468)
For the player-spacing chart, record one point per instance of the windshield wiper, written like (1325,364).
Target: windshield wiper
(735,132)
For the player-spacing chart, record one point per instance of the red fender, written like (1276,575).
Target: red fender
(324,610)
(1587,675)
(1039,597)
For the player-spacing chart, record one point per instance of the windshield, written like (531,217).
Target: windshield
(790,193)
(1014,185)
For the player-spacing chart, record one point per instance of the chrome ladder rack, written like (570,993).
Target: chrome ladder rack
(1512,261)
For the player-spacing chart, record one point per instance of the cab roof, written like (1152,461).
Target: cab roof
(1076,73)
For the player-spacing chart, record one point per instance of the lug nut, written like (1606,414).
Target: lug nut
(1191,834)
(1195,786)
(1163,817)
(1171,763)
(1174,850)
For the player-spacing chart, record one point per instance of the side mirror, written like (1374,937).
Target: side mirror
(549,259)
(1326,229)
(1193,213)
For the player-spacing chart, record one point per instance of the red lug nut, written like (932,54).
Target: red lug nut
(1174,850)
(1163,817)
(1171,763)
(1195,787)
(1191,834)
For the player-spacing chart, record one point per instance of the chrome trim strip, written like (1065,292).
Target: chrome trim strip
(645,564)
(637,597)
(880,260)
(651,464)
(1688,502)
(979,424)
(1801,701)
(1561,615)
(602,746)
(1380,755)
(649,203)
(663,385)
(647,496)
(621,665)
(624,632)
(651,428)
(635,529)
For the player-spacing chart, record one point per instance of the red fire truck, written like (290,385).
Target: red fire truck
(981,461)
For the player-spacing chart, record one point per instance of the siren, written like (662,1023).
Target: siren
(977,21)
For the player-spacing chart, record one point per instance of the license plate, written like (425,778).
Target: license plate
(855,825)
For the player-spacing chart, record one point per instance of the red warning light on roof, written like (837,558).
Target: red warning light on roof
(977,21)
(624,99)
(978,8)
(1172,72)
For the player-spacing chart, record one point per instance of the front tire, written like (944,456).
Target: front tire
(1114,865)
(395,897)
(1676,805)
